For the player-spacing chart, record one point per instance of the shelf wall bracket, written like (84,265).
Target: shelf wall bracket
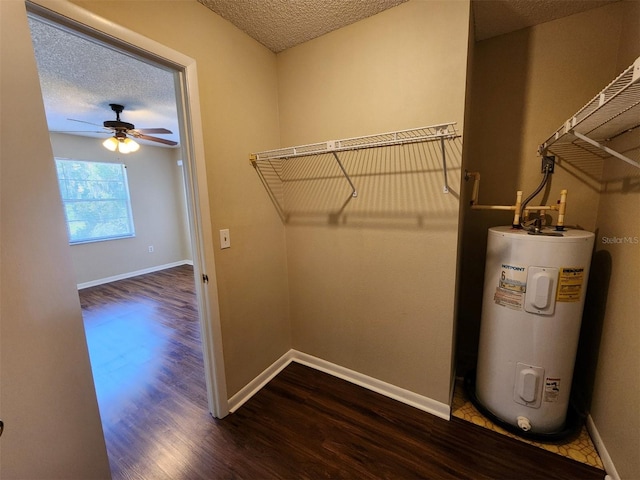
(604,148)
(445,189)
(354,192)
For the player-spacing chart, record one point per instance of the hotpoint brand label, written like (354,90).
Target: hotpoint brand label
(513,277)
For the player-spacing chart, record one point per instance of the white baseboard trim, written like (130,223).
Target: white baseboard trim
(612,473)
(407,397)
(404,396)
(123,276)
(254,386)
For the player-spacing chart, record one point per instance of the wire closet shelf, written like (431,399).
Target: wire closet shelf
(610,114)
(439,132)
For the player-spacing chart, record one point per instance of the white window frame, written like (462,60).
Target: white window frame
(130,232)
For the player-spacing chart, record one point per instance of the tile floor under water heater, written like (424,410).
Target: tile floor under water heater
(580,449)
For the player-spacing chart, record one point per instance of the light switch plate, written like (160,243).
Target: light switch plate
(225,240)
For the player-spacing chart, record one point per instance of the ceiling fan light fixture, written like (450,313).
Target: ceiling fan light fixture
(128,146)
(111,144)
(122,145)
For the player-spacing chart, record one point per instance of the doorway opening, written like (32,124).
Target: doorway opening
(76,22)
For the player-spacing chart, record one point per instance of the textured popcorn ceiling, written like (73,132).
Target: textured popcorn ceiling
(80,77)
(497,17)
(281,24)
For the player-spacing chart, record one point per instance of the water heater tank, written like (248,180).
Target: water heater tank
(534,290)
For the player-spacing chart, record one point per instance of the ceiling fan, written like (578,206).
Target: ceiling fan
(122,130)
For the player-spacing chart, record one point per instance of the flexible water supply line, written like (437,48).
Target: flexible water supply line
(530,197)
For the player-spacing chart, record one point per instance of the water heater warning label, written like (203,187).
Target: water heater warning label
(511,286)
(570,283)
(507,298)
(551,389)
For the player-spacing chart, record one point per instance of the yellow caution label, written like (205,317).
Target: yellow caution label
(570,281)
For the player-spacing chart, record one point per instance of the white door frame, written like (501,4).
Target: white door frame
(188,100)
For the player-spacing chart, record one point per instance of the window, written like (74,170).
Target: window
(96,200)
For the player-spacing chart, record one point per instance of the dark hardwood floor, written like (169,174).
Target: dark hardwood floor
(144,343)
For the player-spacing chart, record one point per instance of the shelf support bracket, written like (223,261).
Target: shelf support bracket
(604,148)
(354,192)
(445,189)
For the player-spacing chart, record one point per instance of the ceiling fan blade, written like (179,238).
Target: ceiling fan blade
(79,131)
(149,130)
(156,139)
(82,121)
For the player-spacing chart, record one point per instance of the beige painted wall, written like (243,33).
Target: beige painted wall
(525,85)
(616,394)
(179,186)
(157,204)
(47,399)
(374,290)
(238,97)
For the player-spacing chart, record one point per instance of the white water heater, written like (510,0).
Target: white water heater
(534,291)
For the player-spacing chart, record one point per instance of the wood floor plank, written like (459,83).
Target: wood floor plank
(144,341)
